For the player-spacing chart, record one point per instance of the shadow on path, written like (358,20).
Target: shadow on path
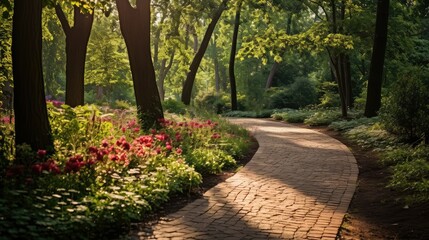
(298,185)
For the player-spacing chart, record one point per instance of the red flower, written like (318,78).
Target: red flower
(93,149)
(104,143)
(126,146)
(169,147)
(179,151)
(37,168)
(41,153)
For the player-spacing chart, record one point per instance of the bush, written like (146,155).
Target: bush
(213,103)
(330,96)
(174,106)
(405,111)
(298,95)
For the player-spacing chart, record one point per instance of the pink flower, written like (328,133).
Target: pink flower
(179,151)
(169,147)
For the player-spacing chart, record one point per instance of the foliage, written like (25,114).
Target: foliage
(107,68)
(5,51)
(211,103)
(173,106)
(372,135)
(6,143)
(265,113)
(406,110)
(74,129)
(122,104)
(410,168)
(325,117)
(206,160)
(330,97)
(299,94)
(293,116)
(345,125)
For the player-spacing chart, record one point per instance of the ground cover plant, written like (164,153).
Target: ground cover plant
(106,172)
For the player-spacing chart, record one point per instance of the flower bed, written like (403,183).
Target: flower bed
(107,173)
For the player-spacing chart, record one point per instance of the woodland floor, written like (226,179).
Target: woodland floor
(375,212)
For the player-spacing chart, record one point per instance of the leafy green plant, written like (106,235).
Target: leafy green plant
(265,113)
(293,116)
(174,106)
(324,117)
(405,111)
(206,160)
(345,125)
(121,104)
(372,136)
(413,177)
(213,103)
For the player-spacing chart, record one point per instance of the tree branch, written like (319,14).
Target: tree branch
(63,20)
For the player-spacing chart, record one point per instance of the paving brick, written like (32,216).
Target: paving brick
(298,185)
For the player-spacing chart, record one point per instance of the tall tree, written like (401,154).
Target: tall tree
(373,100)
(77,37)
(31,118)
(135,28)
(232,58)
(190,78)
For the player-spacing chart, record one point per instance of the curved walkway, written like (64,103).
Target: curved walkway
(297,186)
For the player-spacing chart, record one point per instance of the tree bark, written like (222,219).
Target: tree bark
(270,78)
(232,82)
(135,28)
(164,69)
(216,66)
(77,38)
(31,117)
(373,99)
(190,78)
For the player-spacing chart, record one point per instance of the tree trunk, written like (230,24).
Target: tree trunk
(31,118)
(164,69)
(271,76)
(234,104)
(216,66)
(348,81)
(373,99)
(135,28)
(190,78)
(77,38)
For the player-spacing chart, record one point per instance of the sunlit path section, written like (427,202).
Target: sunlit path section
(298,185)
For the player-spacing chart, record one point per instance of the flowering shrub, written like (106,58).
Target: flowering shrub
(106,172)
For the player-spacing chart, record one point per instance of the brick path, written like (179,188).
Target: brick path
(297,186)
